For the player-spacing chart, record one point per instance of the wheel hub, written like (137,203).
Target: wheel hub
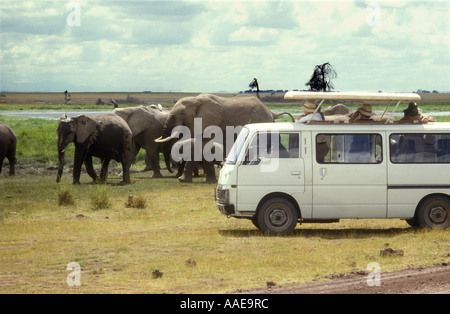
(438,215)
(278,217)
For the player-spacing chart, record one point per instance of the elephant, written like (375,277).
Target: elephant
(107,137)
(184,150)
(146,124)
(8,142)
(217,111)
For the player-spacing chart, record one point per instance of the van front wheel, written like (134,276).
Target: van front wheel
(277,216)
(435,213)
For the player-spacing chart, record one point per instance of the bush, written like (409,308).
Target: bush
(135,202)
(100,199)
(65,198)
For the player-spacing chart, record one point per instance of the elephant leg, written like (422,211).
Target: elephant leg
(1,163)
(195,170)
(154,162)
(12,163)
(187,172)
(104,171)
(126,172)
(181,165)
(80,155)
(90,168)
(210,171)
(148,162)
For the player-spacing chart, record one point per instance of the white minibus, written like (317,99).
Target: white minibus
(281,174)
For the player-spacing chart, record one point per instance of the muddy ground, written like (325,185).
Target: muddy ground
(432,280)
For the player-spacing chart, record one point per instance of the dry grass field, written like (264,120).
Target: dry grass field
(180,234)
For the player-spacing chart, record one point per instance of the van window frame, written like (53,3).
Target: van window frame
(413,162)
(379,157)
(258,154)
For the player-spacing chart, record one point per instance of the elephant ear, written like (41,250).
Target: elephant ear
(142,119)
(210,111)
(85,128)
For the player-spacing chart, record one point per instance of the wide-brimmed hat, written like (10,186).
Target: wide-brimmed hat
(309,106)
(366,110)
(412,110)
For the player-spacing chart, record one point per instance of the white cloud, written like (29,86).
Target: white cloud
(222,45)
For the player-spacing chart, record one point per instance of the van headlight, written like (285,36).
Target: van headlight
(222,195)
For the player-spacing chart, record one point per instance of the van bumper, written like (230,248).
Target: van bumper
(226,209)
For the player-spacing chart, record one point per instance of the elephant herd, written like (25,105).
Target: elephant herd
(119,135)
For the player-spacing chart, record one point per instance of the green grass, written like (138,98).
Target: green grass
(119,247)
(37,143)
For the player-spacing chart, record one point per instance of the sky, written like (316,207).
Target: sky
(220,46)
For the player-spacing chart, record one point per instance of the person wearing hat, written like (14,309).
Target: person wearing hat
(413,114)
(364,113)
(309,108)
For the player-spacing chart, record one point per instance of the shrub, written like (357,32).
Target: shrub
(135,202)
(100,199)
(65,198)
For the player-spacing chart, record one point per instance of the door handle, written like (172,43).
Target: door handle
(323,172)
(296,173)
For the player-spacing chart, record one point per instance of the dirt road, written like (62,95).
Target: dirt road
(433,280)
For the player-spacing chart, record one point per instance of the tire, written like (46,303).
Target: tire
(434,213)
(277,216)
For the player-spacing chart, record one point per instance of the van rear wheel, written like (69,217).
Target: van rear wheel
(435,213)
(277,216)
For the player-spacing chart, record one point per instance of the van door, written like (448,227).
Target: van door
(273,163)
(349,176)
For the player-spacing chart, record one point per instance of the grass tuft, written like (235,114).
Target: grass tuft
(135,202)
(65,198)
(100,198)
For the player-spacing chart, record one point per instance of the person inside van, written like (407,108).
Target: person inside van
(363,114)
(413,114)
(308,108)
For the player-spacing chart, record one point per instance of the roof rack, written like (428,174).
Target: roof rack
(361,96)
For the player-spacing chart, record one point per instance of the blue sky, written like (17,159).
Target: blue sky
(212,46)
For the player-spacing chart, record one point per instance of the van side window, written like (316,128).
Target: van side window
(273,145)
(420,148)
(349,148)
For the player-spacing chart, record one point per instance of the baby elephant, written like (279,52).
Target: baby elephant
(106,137)
(8,143)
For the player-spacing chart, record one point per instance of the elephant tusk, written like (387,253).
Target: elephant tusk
(164,140)
(158,138)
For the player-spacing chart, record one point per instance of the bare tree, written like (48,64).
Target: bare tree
(321,77)
(254,84)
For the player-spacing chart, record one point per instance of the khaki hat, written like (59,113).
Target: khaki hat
(309,106)
(366,110)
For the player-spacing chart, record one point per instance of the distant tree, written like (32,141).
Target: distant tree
(254,84)
(321,77)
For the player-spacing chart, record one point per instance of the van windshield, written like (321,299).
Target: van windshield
(237,147)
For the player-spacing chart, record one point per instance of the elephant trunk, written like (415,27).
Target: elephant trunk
(60,165)
(166,153)
(166,134)
(61,152)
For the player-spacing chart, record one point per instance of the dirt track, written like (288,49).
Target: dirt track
(433,280)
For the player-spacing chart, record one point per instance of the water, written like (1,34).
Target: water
(55,114)
(51,114)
